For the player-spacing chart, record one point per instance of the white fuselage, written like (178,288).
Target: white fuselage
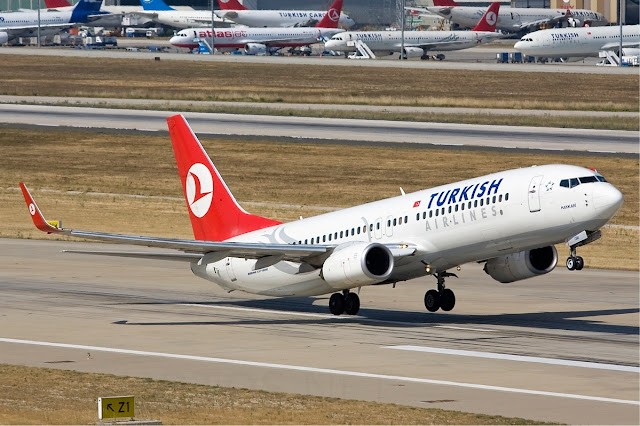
(472,220)
(237,38)
(10,20)
(514,19)
(182,18)
(391,41)
(577,42)
(280,18)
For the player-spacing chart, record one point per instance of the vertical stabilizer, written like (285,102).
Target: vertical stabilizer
(214,212)
(489,19)
(155,5)
(332,17)
(231,5)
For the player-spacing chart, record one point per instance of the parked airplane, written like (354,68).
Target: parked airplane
(510,220)
(262,40)
(234,11)
(577,42)
(25,23)
(160,12)
(514,19)
(418,43)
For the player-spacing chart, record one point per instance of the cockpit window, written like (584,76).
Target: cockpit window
(588,179)
(564,183)
(574,182)
(601,178)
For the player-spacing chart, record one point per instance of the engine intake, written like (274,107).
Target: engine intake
(255,49)
(522,265)
(357,263)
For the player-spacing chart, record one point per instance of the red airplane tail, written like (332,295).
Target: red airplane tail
(489,19)
(52,4)
(331,18)
(445,3)
(231,5)
(214,212)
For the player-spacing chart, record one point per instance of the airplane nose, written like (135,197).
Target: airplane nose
(518,45)
(607,200)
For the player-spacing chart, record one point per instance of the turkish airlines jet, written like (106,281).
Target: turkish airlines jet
(262,40)
(514,19)
(509,220)
(577,42)
(234,11)
(25,23)
(418,43)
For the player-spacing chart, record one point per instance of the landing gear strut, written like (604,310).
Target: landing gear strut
(574,262)
(346,302)
(442,298)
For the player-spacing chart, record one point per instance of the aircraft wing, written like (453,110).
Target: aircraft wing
(18,31)
(549,21)
(193,250)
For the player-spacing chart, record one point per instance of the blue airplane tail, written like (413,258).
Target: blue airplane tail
(155,5)
(84,8)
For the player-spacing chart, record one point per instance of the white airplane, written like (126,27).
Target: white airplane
(25,23)
(160,12)
(418,43)
(262,40)
(234,11)
(514,19)
(577,42)
(510,220)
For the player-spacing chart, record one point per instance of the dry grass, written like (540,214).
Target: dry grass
(100,77)
(44,396)
(304,175)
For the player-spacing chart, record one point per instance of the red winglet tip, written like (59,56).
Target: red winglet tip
(36,215)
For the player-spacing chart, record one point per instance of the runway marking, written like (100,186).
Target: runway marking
(267,311)
(539,360)
(451,327)
(321,371)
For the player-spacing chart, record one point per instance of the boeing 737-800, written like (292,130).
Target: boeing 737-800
(418,43)
(25,23)
(234,11)
(513,19)
(262,40)
(509,220)
(577,42)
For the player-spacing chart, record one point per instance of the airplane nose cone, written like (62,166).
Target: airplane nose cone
(607,200)
(518,45)
(174,40)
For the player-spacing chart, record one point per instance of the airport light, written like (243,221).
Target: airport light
(38,23)
(402,52)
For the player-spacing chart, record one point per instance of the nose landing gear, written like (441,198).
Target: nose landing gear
(574,262)
(442,298)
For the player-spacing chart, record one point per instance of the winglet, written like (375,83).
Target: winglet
(36,215)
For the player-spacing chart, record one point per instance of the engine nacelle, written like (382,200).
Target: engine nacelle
(413,52)
(4,37)
(522,265)
(255,49)
(357,263)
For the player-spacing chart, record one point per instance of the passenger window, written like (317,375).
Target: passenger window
(494,199)
(417,216)
(506,196)
(430,213)
(358,230)
(306,241)
(353,232)
(341,234)
(481,202)
(437,212)
(388,223)
(335,235)
(394,222)
(442,211)
(449,209)
(406,219)
(564,183)
(424,215)
(500,198)
(329,237)
(378,225)
(400,221)
(462,206)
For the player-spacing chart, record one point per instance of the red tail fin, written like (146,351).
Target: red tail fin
(489,19)
(52,4)
(331,18)
(231,5)
(214,212)
(445,3)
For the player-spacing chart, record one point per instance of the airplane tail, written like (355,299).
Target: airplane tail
(332,17)
(489,19)
(155,5)
(84,8)
(231,5)
(445,3)
(214,212)
(52,4)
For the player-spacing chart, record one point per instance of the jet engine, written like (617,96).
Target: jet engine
(357,263)
(4,37)
(413,52)
(255,49)
(522,265)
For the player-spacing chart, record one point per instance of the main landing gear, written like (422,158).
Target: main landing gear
(346,302)
(442,298)
(574,262)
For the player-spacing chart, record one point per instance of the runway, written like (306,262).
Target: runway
(562,347)
(333,129)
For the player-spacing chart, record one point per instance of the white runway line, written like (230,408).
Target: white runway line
(520,358)
(321,371)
